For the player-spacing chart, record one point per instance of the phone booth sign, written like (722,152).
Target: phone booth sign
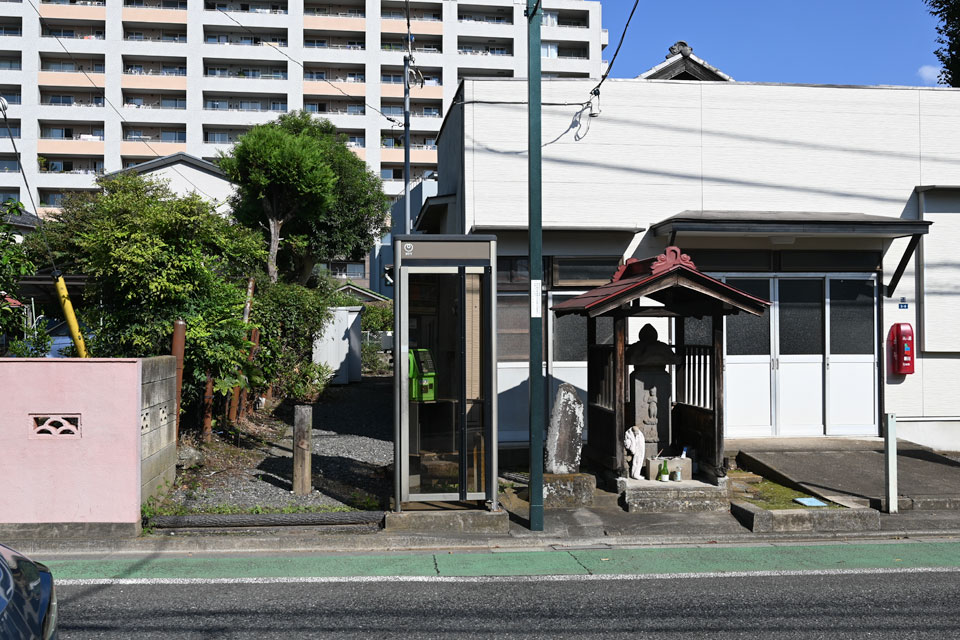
(902,344)
(445,403)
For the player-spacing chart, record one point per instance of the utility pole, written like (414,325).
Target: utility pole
(406,139)
(535,232)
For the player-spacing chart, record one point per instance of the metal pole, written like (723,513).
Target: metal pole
(536,265)
(179,341)
(890,453)
(406,142)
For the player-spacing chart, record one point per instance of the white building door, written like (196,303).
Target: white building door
(851,367)
(809,366)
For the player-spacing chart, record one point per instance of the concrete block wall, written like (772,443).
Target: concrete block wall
(158,425)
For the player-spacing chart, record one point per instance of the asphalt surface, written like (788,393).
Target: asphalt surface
(870,605)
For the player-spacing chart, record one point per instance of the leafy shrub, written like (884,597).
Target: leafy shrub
(377,316)
(372,360)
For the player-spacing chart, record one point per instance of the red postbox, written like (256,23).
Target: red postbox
(901,339)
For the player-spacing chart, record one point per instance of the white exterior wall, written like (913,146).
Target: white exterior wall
(194,52)
(184,179)
(662,147)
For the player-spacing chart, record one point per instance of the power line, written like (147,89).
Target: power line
(596,89)
(300,64)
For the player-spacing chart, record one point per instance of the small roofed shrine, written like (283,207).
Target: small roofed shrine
(622,406)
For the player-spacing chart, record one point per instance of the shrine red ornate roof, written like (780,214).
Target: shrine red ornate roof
(670,278)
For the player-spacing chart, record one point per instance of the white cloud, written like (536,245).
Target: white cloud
(929,74)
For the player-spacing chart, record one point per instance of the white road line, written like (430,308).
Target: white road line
(82,582)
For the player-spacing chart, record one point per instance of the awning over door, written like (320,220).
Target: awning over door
(797,223)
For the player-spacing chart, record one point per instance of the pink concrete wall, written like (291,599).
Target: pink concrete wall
(90,478)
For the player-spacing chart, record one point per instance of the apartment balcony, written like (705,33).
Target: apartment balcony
(428,92)
(76,179)
(419,154)
(71,79)
(149,79)
(480,29)
(81,145)
(334,88)
(146,147)
(419,27)
(158,15)
(86,10)
(335,22)
(252,19)
(568,64)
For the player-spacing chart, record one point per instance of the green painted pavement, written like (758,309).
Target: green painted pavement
(519,563)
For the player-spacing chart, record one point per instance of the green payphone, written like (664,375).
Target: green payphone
(423,376)
(445,411)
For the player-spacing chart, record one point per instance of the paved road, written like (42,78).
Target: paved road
(871,605)
(846,590)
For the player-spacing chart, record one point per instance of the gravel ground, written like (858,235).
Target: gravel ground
(352,446)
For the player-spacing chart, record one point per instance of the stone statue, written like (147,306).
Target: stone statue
(648,351)
(564,432)
(634,442)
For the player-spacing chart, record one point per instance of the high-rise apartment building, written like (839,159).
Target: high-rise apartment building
(94,86)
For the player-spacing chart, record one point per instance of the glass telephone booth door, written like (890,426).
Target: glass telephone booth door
(446,446)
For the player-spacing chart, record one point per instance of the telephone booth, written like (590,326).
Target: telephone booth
(445,402)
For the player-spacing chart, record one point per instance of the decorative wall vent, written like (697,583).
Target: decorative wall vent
(64,425)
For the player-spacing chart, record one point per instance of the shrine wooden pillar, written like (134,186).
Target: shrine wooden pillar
(620,382)
(717,393)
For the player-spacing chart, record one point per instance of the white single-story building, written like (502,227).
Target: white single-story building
(839,204)
(187,174)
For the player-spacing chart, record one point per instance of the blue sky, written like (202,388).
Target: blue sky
(810,41)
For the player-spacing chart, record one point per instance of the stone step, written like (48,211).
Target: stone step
(675,497)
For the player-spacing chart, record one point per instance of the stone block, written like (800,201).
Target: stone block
(11,532)
(673,497)
(819,519)
(158,485)
(159,463)
(684,465)
(157,392)
(568,490)
(459,521)
(157,368)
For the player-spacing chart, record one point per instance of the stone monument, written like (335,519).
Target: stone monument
(650,389)
(563,484)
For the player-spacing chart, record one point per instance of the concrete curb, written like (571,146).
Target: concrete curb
(821,520)
(307,542)
(267,519)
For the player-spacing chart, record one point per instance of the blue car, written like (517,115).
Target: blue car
(28,600)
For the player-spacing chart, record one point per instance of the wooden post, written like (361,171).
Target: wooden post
(208,410)
(179,340)
(302,449)
(234,401)
(621,395)
(244,404)
(717,392)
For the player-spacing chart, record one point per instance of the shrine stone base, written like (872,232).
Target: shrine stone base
(652,496)
(568,490)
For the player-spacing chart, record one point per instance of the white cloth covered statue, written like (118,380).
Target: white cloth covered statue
(634,442)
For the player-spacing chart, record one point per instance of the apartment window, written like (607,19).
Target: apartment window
(97,132)
(98,101)
(355,44)
(279,74)
(248,40)
(171,70)
(356,76)
(391,78)
(278,105)
(133,3)
(218,137)
(59,166)
(315,43)
(8,165)
(11,98)
(97,67)
(173,136)
(60,66)
(136,69)
(250,105)
(430,143)
(61,100)
(549,18)
(315,75)
(135,35)
(391,174)
(7,63)
(136,102)
(173,37)
(216,39)
(220,105)
(61,33)
(9,30)
(431,111)
(220,72)
(357,141)
(174,4)
(250,73)
(134,134)
(316,107)
(173,103)
(392,110)
(431,81)
(548,50)
(356,109)
(11,131)
(52,199)
(60,133)
(7,195)
(391,143)
(498,51)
